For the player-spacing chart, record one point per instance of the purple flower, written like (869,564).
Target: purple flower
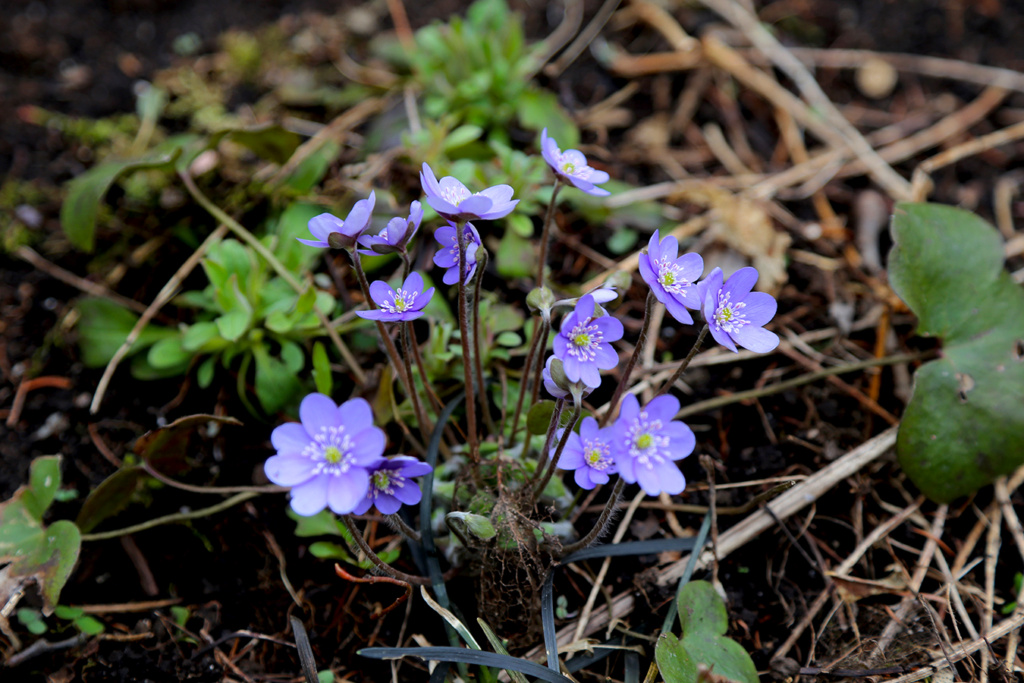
(647,441)
(325,459)
(405,303)
(454,201)
(331,231)
(395,235)
(737,315)
(391,485)
(672,279)
(583,343)
(589,453)
(549,382)
(448,255)
(571,166)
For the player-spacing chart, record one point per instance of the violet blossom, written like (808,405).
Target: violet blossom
(673,280)
(395,235)
(583,343)
(405,303)
(325,459)
(448,255)
(646,442)
(453,200)
(736,315)
(552,387)
(332,232)
(571,166)
(391,484)
(589,453)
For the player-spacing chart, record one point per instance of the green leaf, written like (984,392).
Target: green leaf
(169,353)
(78,213)
(515,257)
(89,625)
(621,241)
(964,425)
(204,375)
(539,109)
(322,376)
(32,620)
(198,335)
(104,326)
(702,609)
(723,656)
(276,385)
(509,339)
(313,168)
(673,661)
(294,223)
(539,417)
(233,325)
(109,498)
(66,612)
(323,523)
(326,550)
(268,141)
(44,480)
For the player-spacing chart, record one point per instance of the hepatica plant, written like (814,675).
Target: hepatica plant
(500,479)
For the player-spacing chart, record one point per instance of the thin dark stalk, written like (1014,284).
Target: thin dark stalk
(467,355)
(426,427)
(545,232)
(558,452)
(357,536)
(396,521)
(556,414)
(524,378)
(406,264)
(538,365)
(481,266)
(686,362)
(602,522)
(637,350)
(389,345)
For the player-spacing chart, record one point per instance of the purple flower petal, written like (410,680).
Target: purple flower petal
(760,308)
(314,243)
(355,415)
(423,298)
(413,283)
(346,492)
(676,308)
(368,447)
(663,408)
(311,497)
(740,283)
(323,225)
(289,438)
(378,314)
(318,413)
(288,470)
(757,339)
(381,292)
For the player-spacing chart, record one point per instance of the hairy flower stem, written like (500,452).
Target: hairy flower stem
(389,345)
(396,522)
(556,414)
(613,404)
(278,267)
(602,523)
(545,232)
(539,332)
(539,489)
(422,370)
(426,427)
(467,355)
(686,362)
(357,536)
(481,266)
(406,264)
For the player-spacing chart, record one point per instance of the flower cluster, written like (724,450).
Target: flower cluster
(641,446)
(734,314)
(584,342)
(334,458)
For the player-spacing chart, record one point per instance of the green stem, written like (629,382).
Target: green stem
(524,380)
(602,522)
(556,414)
(357,536)
(278,267)
(467,354)
(545,232)
(685,364)
(576,411)
(637,350)
(170,519)
(481,266)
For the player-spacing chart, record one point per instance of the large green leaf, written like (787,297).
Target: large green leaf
(78,213)
(45,555)
(964,425)
(104,326)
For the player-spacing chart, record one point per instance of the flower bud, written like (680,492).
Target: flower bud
(478,525)
(541,299)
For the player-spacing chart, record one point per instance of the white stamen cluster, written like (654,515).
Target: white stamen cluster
(331,450)
(670,278)
(644,443)
(455,194)
(386,481)
(402,302)
(597,454)
(728,315)
(584,340)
